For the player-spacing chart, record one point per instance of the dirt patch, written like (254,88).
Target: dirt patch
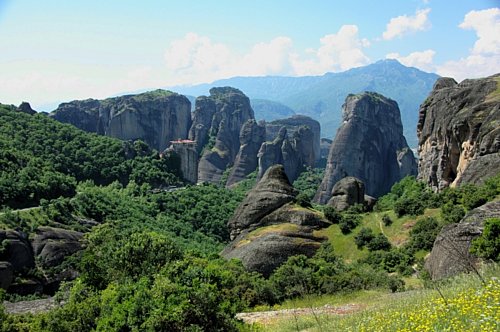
(266,317)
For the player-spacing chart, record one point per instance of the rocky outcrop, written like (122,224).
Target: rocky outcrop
(232,110)
(16,250)
(187,152)
(252,136)
(293,152)
(459,132)
(6,274)
(202,121)
(450,253)
(52,245)
(25,107)
(268,227)
(155,117)
(348,192)
(369,146)
(293,124)
(271,192)
(46,252)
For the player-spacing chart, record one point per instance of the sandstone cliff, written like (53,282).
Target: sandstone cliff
(230,109)
(294,151)
(252,136)
(459,132)
(155,117)
(293,125)
(369,146)
(268,227)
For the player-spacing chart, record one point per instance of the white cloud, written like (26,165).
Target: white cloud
(421,60)
(196,59)
(340,51)
(484,57)
(398,26)
(486,23)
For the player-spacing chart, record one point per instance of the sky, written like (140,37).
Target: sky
(55,51)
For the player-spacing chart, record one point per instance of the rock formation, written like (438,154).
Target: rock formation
(25,107)
(155,117)
(202,121)
(47,250)
(450,253)
(459,132)
(252,136)
(293,125)
(292,152)
(324,147)
(348,192)
(267,227)
(369,146)
(232,110)
(188,155)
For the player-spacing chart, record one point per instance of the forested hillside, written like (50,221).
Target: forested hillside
(42,158)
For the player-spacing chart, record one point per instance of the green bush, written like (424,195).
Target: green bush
(349,222)
(364,237)
(488,244)
(303,200)
(332,215)
(379,242)
(386,220)
(423,234)
(451,213)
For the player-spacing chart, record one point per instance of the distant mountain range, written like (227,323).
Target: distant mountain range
(321,97)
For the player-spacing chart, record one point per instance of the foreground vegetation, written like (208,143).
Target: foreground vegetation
(463,303)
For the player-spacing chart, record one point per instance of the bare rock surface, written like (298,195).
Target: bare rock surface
(155,117)
(450,253)
(268,227)
(459,132)
(369,146)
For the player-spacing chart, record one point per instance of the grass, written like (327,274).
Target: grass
(397,232)
(466,305)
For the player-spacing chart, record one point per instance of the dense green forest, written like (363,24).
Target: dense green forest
(151,259)
(42,158)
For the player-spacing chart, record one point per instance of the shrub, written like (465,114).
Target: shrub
(332,215)
(423,234)
(364,237)
(379,242)
(386,220)
(488,244)
(409,206)
(303,200)
(349,222)
(451,213)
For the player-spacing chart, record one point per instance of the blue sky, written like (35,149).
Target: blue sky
(54,51)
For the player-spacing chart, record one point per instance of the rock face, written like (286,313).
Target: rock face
(188,155)
(450,253)
(459,132)
(155,117)
(292,152)
(347,192)
(26,108)
(252,136)
(267,227)
(293,125)
(232,110)
(369,146)
(52,245)
(17,250)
